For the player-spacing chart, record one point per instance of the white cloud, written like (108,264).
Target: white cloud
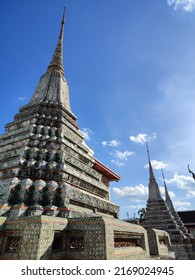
(142,138)
(181,205)
(112,143)
(86,133)
(181,209)
(187,5)
(135,194)
(183,182)
(120,157)
(136,206)
(21,98)
(117,162)
(123,155)
(157,164)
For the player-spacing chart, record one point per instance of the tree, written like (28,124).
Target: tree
(141,213)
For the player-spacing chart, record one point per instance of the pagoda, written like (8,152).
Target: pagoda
(171,207)
(45,165)
(158,215)
(54,194)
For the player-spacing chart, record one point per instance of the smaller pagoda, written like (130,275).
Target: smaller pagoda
(158,215)
(172,210)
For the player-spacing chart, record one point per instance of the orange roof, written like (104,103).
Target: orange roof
(100,167)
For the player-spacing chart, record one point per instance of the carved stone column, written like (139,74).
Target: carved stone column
(33,198)
(62,200)
(18,196)
(47,198)
(6,188)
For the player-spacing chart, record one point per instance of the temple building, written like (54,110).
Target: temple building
(188,219)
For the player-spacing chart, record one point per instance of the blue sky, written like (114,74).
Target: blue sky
(130,65)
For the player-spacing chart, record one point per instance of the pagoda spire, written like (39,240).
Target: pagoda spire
(57,59)
(53,86)
(167,196)
(154,192)
(151,173)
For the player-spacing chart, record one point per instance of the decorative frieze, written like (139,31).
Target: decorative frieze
(72,149)
(79,147)
(9,163)
(78,164)
(11,153)
(77,174)
(72,127)
(70,119)
(10,173)
(31,112)
(73,137)
(64,176)
(14,132)
(14,145)
(92,201)
(14,138)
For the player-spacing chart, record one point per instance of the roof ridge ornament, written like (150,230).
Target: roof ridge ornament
(193,174)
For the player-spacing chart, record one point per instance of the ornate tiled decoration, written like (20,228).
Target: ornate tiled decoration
(91,234)
(159,243)
(36,235)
